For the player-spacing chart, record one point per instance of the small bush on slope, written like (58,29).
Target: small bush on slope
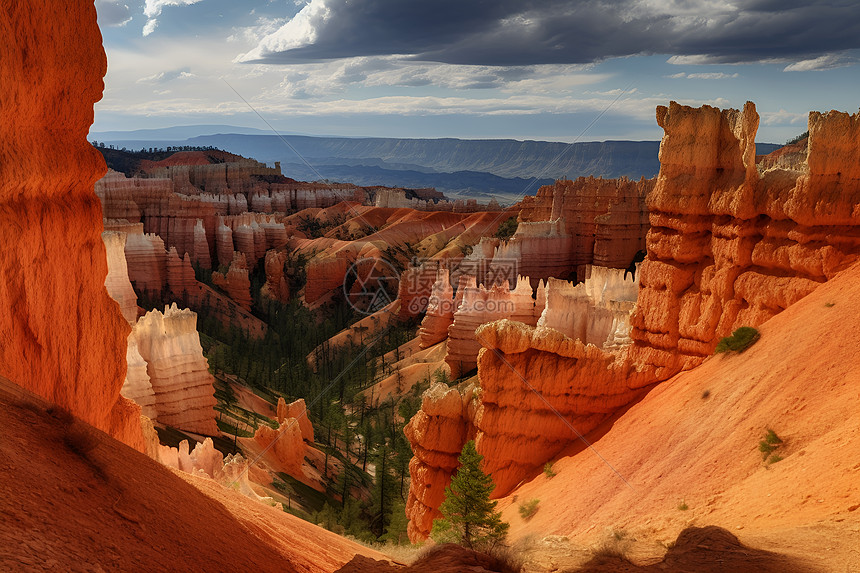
(768,445)
(740,340)
(529,508)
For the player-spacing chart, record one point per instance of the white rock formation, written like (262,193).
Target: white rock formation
(178,371)
(137,386)
(117,282)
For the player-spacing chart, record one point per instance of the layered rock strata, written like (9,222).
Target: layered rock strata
(440,311)
(437,434)
(137,385)
(63,342)
(117,282)
(730,244)
(178,371)
(478,305)
(235,281)
(592,207)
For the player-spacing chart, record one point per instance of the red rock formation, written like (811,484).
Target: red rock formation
(224,243)
(137,386)
(402,234)
(299,412)
(437,434)
(276,286)
(325,275)
(478,305)
(604,222)
(178,371)
(414,290)
(284,445)
(63,337)
(729,245)
(235,281)
(181,282)
(145,257)
(200,254)
(440,311)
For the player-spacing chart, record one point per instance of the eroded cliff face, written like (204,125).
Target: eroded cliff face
(730,244)
(178,372)
(437,434)
(600,221)
(62,336)
(567,337)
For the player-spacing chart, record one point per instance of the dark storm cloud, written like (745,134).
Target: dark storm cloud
(524,32)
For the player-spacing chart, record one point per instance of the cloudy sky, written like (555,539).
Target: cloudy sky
(561,70)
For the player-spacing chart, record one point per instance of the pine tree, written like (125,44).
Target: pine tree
(468,515)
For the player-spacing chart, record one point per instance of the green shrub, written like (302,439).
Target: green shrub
(740,340)
(548,471)
(507,229)
(683,506)
(797,138)
(769,445)
(529,508)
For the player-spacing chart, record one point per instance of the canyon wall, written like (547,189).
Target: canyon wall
(62,335)
(586,221)
(569,336)
(730,244)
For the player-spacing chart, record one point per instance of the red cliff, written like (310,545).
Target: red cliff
(65,344)
(730,244)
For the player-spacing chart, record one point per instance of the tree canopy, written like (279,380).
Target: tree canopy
(468,516)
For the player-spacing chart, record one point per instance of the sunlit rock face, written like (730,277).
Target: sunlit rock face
(62,336)
(731,243)
(437,434)
(582,222)
(117,282)
(178,372)
(477,305)
(440,311)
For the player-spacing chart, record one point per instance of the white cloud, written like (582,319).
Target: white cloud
(300,30)
(149,27)
(825,62)
(783,117)
(152,10)
(703,76)
(113,13)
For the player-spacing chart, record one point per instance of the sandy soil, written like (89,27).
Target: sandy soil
(74,499)
(688,453)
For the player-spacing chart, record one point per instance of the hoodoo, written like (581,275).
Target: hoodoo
(731,244)
(65,342)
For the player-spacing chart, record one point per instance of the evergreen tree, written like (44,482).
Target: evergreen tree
(396,531)
(468,515)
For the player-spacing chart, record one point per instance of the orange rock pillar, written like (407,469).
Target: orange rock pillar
(61,335)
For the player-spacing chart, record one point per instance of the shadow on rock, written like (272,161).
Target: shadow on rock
(708,549)
(446,558)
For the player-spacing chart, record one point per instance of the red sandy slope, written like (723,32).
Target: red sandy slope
(114,509)
(694,440)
